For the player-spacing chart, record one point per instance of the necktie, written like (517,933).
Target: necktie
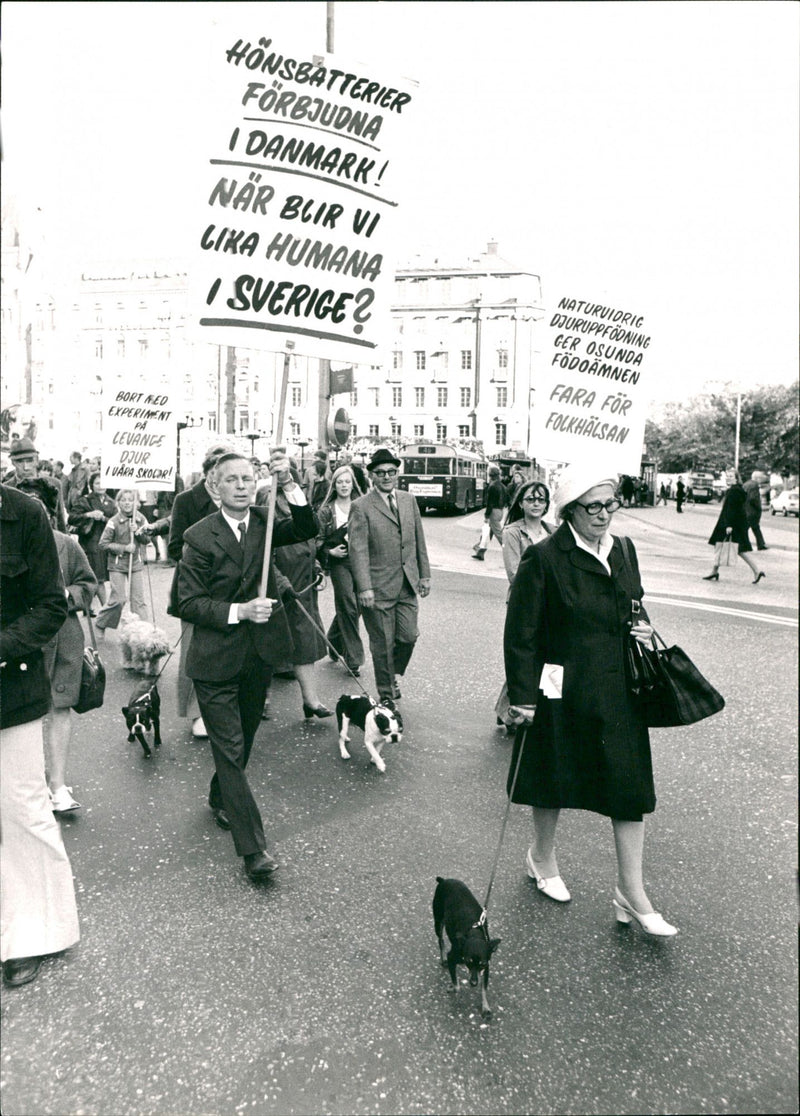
(242,535)
(392,505)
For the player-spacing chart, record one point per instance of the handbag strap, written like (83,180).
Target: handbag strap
(88,614)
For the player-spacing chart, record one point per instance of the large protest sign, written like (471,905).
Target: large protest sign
(299,200)
(592,392)
(140,432)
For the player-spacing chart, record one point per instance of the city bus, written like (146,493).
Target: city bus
(442,476)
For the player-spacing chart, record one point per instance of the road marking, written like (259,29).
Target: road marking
(784,621)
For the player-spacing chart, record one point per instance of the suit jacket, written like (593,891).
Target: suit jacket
(189,508)
(214,573)
(33,604)
(384,554)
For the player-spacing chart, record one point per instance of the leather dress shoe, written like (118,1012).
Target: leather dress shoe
(310,711)
(220,817)
(260,865)
(21,970)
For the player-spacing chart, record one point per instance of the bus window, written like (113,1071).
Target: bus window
(415,465)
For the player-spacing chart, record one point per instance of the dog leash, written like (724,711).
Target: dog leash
(338,657)
(482,919)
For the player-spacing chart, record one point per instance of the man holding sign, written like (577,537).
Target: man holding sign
(238,635)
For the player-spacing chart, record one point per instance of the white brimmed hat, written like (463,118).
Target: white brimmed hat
(577,479)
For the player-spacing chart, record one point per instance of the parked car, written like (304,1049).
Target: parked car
(787,503)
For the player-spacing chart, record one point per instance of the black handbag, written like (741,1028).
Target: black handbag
(666,686)
(93,677)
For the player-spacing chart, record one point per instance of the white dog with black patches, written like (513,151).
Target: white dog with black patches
(379,723)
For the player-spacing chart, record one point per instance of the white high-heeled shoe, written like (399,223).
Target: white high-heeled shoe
(552,886)
(652,923)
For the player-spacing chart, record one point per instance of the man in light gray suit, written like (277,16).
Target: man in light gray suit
(390,567)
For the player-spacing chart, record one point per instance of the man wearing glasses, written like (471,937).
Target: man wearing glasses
(390,567)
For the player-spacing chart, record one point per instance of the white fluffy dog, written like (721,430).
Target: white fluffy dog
(143,646)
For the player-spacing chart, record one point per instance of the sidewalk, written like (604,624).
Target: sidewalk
(697,521)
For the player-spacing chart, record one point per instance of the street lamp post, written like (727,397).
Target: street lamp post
(189,424)
(302,446)
(252,438)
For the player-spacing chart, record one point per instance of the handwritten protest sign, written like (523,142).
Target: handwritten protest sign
(299,200)
(592,394)
(140,431)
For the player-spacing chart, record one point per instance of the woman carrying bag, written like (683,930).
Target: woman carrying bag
(585,745)
(731,527)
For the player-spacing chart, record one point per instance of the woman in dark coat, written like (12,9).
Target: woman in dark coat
(89,515)
(298,563)
(584,745)
(731,526)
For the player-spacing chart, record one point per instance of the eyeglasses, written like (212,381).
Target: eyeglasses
(596,506)
(384,472)
(534,499)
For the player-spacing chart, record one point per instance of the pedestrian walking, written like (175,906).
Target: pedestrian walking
(189,508)
(524,527)
(63,655)
(334,554)
(88,517)
(389,561)
(124,538)
(25,459)
(662,495)
(496,502)
(38,914)
(77,480)
(752,509)
(237,636)
(680,495)
(731,527)
(584,744)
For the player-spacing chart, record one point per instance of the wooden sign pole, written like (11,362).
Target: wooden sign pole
(273,491)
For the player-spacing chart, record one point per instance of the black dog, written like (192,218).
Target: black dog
(456,910)
(142,713)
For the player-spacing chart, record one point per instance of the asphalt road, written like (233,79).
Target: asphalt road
(195,991)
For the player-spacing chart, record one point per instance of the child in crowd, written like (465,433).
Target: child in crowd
(125,541)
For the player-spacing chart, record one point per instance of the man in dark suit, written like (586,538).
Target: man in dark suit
(390,567)
(238,635)
(189,508)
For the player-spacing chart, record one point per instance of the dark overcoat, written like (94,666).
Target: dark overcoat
(590,750)
(189,508)
(63,656)
(214,573)
(33,606)
(732,517)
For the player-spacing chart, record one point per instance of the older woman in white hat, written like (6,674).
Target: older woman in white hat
(584,744)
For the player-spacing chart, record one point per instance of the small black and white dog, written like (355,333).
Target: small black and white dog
(379,723)
(458,913)
(142,713)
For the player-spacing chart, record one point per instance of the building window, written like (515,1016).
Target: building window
(373,431)
(419,431)
(502,396)
(98,314)
(464,431)
(397,397)
(294,430)
(441,431)
(98,350)
(212,421)
(444,361)
(466,358)
(419,397)
(120,347)
(375,396)
(397,359)
(142,348)
(499,433)
(297,396)
(353,430)
(419,357)
(441,397)
(466,396)
(396,429)
(502,358)
(354,397)
(244,420)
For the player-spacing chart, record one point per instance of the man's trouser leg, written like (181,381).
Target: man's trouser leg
(231,712)
(380,624)
(406,632)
